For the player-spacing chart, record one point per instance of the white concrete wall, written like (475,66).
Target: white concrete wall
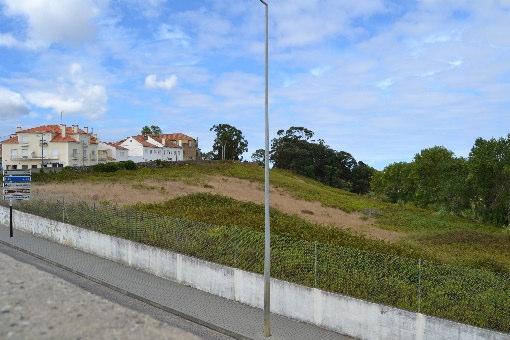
(346,315)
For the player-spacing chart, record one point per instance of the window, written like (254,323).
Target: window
(24,167)
(24,153)
(34,166)
(75,153)
(14,153)
(24,139)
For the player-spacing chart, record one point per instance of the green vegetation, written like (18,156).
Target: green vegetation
(294,149)
(477,187)
(428,234)
(220,210)
(477,297)
(229,143)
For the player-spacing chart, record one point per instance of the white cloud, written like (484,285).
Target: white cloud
(8,40)
(385,84)
(75,95)
(456,63)
(167,32)
(12,104)
(303,22)
(152,82)
(69,21)
(319,71)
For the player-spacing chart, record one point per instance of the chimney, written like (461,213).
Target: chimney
(63,129)
(180,142)
(75,128)
(163,140)
(86,128)
(18,128)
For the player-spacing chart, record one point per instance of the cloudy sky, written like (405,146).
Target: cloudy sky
(380,79)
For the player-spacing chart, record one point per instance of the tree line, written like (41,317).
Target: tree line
(477,186)
(295,149)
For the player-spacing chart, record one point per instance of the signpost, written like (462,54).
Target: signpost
(16,187)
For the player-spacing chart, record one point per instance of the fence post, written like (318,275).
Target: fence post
(63,209)
(419,285)
(315,265)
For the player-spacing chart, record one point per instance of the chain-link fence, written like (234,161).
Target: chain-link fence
(473,296)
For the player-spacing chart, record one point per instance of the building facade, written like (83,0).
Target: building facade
(146,149)
(111,152)
(49,146)
(189,144)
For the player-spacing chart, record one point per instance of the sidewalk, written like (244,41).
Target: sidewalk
(228,317)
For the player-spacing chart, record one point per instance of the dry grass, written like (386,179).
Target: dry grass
(151,191)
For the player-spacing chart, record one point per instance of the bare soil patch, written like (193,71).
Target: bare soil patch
(239,189)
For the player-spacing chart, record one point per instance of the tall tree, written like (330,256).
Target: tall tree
(156,130)
(258,156)
(146,130)
(361,177)
(395,182)
(231,140)
(294,149)
(489,176)
(152,130)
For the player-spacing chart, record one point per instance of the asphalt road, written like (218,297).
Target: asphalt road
(40,301)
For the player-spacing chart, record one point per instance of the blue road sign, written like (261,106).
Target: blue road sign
(17,179)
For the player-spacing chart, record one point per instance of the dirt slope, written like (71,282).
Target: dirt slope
(243,190)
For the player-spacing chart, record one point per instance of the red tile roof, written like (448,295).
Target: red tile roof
(58,138)
(117,146)
(12,140)
(55,128)
(176,136)
(141,139)
(168,143)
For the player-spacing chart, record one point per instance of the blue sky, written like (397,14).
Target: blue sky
(380,79)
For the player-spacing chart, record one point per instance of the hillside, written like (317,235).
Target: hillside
(231,194)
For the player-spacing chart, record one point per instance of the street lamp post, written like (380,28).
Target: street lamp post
(267,227)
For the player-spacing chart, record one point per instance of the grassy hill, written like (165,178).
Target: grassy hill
(424,233)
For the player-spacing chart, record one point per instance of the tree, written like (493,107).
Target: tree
(489,177)
(396,182)
(146,130)
(152,130)
(156,130)
(294,149)
(361,177)
(258,156)
(440,179)
(230,139)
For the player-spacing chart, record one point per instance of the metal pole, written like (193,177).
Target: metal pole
(267,227)
(42,151)
(11,231)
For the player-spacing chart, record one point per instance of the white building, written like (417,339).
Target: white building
(49,146)
(146,149)
(111,152)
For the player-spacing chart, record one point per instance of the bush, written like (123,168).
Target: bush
(112,167)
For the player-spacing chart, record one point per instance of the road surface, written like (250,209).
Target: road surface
(37,305)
